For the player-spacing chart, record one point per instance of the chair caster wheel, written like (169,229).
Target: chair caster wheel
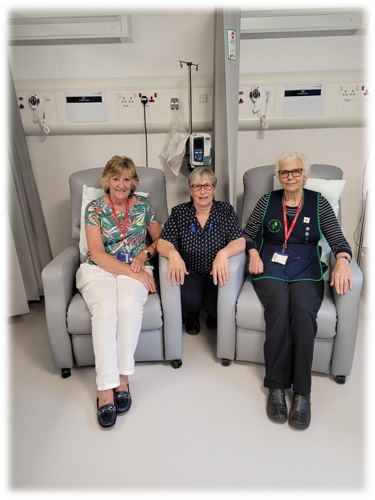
(176,363)
(65,372)
(225,362)
(340,379)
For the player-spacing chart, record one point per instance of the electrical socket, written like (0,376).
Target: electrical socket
(348,99)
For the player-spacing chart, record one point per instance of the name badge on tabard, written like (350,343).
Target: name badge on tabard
(280,258)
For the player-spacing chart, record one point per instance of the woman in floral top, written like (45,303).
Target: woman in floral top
(115,279)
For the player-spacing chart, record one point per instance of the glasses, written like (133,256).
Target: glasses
(284,174)
(206,187)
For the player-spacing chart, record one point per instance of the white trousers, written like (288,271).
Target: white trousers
(116,306)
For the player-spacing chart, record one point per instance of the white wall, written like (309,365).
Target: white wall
(160,40)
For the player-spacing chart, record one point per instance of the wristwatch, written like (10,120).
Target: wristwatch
(148,254)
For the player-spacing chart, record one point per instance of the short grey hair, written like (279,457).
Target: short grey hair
(289,156)
(200,172)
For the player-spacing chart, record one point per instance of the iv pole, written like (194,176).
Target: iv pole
(189,65)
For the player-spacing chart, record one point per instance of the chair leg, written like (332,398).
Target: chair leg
(176,363)
(340,379)
(65,372)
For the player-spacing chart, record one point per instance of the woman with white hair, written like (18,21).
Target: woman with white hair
(198,239)
(288,279)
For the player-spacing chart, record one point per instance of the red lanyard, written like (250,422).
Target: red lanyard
(286,232)
(122,230)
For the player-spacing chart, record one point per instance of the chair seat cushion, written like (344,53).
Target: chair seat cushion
(79,317)
(250,312)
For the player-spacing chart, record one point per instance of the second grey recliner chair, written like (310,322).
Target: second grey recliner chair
(338,315)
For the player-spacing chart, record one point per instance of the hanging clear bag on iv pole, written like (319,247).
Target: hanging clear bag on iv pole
(194,148)
(174,150)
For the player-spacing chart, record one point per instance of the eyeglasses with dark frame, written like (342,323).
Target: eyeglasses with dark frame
(206,187)
(296,172)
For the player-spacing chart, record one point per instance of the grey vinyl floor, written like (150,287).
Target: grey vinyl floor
(202,427)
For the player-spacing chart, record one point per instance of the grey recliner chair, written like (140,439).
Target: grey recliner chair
(68,318)
(338,315)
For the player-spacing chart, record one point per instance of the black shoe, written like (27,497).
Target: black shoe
(300,413)
(106,414)
(276,406)
(192,325)
(123,401)
(211,322)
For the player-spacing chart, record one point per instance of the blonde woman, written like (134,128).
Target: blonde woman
(115,279)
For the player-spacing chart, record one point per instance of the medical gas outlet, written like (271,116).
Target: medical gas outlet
(254,96)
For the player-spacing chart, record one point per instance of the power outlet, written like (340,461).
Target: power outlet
(152,106)
(364,99)
(127,100)
(128,106)
(348,99)
(152,99)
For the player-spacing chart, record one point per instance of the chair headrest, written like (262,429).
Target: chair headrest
(151,180)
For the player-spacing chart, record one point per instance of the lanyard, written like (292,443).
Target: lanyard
(122,230)
(286,232)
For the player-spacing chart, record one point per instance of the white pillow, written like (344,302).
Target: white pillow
(331,190)
(89,194)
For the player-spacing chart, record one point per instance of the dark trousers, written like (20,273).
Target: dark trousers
(290,311)
(198,292)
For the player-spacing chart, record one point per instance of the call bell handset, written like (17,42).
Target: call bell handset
(200,149)
(34,102)
(254,96)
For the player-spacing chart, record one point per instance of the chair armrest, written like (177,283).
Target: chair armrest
(172,314)
(58,282)
(226,307)
(347,308)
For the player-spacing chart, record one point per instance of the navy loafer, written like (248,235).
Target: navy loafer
(123,401)
(106,415)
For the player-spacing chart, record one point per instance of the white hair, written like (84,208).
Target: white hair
(289,156)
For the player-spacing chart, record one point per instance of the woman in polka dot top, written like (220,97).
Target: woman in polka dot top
(198,239)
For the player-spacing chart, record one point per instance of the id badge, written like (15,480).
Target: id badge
(280,258)
(125,257)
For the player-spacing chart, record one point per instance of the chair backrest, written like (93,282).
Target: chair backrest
(151,180)
(259,180)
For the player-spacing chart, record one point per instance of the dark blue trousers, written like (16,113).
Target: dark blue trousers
(198,292)
(290,311)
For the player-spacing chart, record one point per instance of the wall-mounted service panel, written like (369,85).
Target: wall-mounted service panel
(110,106)
(113,105)
(304,100)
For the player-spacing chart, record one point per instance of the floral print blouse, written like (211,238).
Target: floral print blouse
(140,217)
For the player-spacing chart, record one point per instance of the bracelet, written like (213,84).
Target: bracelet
(344,257)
